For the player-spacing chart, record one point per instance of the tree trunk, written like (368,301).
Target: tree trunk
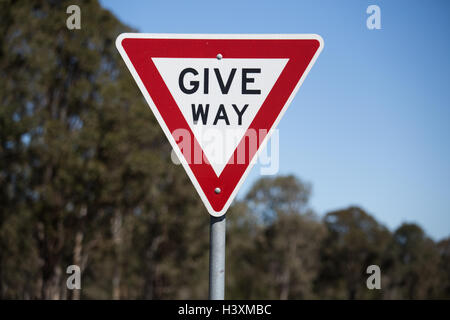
(77,260)
(51,285)
(116,229)
(150,275)
(285,283)
(50,249)
(78,254)
(286,277)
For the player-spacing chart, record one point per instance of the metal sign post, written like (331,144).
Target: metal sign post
(217,230)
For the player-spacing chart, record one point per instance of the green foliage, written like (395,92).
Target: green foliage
(86,179)
(355,240)
(279,234)
(414,263)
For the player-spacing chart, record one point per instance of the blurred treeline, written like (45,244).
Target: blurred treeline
(86,179)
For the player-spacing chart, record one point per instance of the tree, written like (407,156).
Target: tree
(283,256)
(355,240)
(270,196)
(444,251)
(84,159)
(414,264)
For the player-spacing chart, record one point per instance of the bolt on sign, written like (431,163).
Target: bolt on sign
(218,98)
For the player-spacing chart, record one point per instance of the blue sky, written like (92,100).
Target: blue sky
(370,124)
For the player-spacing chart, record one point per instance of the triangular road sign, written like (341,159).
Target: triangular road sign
(218,98)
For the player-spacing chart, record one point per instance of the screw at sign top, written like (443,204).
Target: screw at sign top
(217,190)
(219,56)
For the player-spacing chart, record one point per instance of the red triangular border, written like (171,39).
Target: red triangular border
(301,50)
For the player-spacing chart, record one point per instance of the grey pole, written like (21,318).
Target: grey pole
(217,230)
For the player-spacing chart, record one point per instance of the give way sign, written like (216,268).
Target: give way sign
(218,98)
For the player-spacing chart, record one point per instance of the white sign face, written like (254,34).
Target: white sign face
(219,98)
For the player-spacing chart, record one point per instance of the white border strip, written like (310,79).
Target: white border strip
(166,129)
